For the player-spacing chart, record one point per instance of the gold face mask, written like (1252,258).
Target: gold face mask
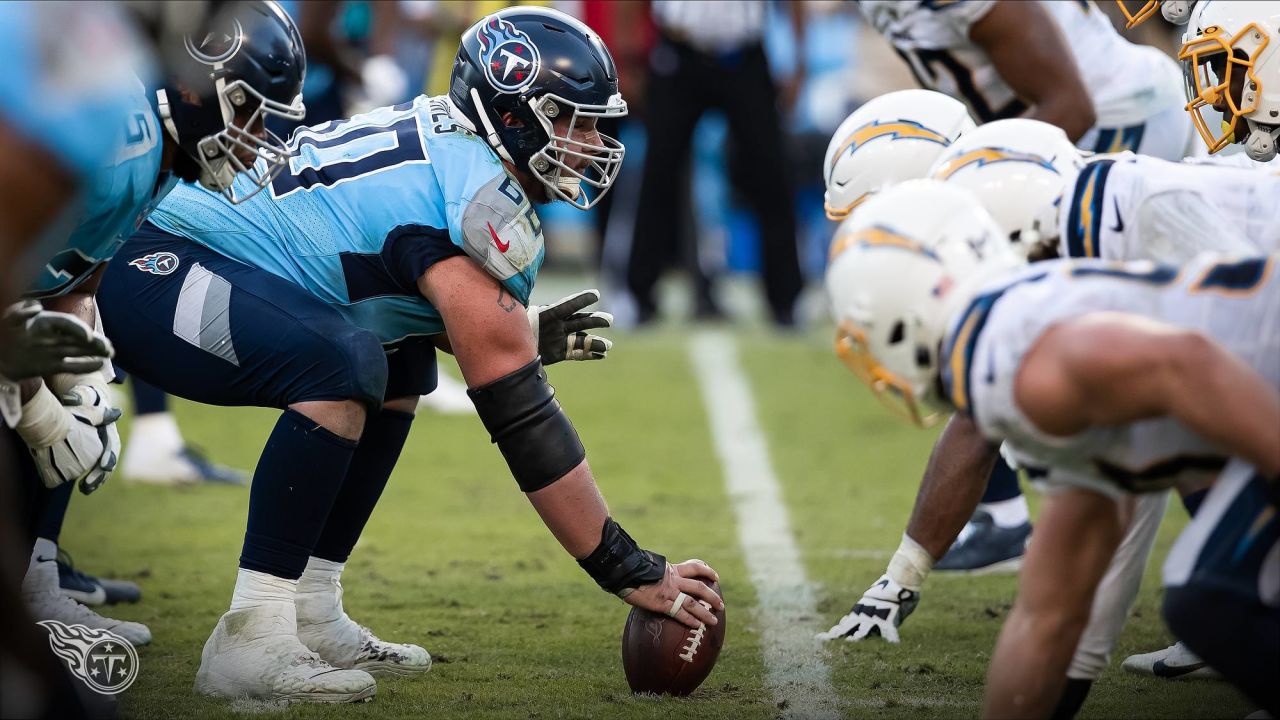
(893,392)
(1134,18)
(1214,72)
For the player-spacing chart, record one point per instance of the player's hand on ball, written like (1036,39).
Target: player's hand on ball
(880,611)
(561,329)
(681,584)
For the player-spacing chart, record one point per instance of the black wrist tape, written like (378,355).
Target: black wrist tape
(525,421)
(618,564)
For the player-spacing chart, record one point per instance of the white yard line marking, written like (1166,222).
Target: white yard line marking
(795,666)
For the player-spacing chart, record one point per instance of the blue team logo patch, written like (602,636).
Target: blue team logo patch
(158,263)
(511,60)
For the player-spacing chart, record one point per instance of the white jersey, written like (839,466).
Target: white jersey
(1128,83)
(1235,302)
(1133,207)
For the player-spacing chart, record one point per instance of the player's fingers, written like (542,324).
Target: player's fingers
(694,568)
(80,365)
(889,632)
(699,613)
(700,591)
(573,303)
(588,321)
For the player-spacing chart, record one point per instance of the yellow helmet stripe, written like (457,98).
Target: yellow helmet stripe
(988,155)
(895,129)
(877,235)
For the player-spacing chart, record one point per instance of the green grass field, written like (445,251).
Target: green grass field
(456,561)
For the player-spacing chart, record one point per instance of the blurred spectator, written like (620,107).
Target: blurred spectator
(711,55)
(351,66)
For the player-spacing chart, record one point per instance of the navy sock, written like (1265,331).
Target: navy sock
(1073,696)
(148,399)
(53,511)
(294,486)
(371,466)
(1191,501)
(1003,483)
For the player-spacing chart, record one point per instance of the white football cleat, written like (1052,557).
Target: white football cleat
(46,601)
(156,454)
(255,653)
(342,642)
(1175,661)
(449,398)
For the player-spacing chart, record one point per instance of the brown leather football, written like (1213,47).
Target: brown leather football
(660,655)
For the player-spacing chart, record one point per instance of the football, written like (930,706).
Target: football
(662,656)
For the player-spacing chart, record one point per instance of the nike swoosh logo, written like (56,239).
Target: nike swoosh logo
(1119,226)
(1164,670)
(502,247)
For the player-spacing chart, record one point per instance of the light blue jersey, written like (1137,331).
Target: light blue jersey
(70,85)
(366,206)
(121,195)
(68,72)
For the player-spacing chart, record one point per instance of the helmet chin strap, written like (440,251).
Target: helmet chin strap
(490,133)
(166,115)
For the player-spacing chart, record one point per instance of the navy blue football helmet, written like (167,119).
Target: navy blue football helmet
(538,64)
(222,80)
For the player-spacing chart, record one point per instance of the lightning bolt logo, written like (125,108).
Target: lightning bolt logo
(987,156)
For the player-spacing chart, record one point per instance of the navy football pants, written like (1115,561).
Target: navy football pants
(217,331)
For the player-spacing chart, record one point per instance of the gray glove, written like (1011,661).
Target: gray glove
(561,329)
(35,342)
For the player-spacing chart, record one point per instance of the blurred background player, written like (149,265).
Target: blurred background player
(64,96)
(711,55)
(1038,60)
(189,125)
(1062,411)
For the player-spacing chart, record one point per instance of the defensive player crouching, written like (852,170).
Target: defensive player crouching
(394,230)
(1081,367)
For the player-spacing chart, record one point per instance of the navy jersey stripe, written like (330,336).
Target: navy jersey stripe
(1084,220)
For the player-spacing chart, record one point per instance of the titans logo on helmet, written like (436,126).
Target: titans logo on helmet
(511,60)
(159,263)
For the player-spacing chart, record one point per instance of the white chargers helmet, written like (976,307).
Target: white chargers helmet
(1177,12)
(901,267)
(1019,170)
(891,138)
(1231,61)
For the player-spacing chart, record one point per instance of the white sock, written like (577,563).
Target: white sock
(42,571)
(44,549)
(320,575)
(1008,513)
(158,432)
(255,588)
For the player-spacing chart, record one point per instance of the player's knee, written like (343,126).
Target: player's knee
(354,366)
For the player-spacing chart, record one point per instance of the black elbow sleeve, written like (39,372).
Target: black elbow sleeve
(526,423)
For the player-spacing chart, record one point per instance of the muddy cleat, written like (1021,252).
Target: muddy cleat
(46,601)
(1175,661)
(325,628)
(986,548)
(255,653)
